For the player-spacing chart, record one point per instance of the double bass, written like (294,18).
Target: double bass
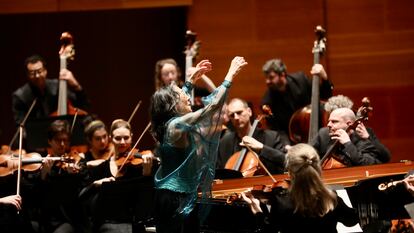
(66,53)
(304,123)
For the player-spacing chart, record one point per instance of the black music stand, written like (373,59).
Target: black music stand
(128,200)
(227,174)
(36,132)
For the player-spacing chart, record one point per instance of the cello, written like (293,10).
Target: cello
(247,162)
(304,123)
(330,160)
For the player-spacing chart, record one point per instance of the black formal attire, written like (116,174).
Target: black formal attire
(12,220)
(298,94)
(47,102)
(356,152)
(61,210)
(115,206)
(384,154)
(282,218)
(272,155)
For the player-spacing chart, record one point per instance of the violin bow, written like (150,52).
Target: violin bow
(19,168)
(261,164)
(74,120)
(135,145)
(21,124)
(135,110)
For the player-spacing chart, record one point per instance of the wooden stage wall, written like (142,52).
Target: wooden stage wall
(370,50)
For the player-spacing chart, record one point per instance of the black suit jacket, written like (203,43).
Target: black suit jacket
(272,155)
(355,152)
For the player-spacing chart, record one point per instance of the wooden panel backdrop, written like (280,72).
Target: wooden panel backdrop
(370,51)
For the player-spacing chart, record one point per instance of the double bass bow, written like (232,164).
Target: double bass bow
(330,160)
(304,123)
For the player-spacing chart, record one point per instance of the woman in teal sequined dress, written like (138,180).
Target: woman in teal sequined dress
(188,143)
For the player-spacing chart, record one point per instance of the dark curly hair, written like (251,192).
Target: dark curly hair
(162,109)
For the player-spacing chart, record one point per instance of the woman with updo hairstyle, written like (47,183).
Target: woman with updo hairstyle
(97,138)
(308,205)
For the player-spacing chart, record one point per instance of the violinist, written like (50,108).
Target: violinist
(365,133)
(266,143)
(62,181)
(288,92)
(352,150)
(167,71)
(98,140)
(187,148)
(112,217)
(297,210)
(44,90)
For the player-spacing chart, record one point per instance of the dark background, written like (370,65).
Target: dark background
(115,55)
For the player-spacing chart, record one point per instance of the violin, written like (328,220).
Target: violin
(69,162)
(261,192)
(31,162)
(135,159)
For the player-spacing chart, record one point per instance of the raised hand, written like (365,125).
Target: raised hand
(236,65)
(202,67)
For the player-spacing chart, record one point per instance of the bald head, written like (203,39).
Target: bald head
(345,113)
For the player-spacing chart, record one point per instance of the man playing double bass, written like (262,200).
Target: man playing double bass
(288,92)
(351,149)
(44,90)
(266,143)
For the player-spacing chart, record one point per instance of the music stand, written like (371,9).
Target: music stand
(227,174)
(128,200)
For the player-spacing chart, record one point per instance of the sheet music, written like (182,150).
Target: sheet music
(341,228)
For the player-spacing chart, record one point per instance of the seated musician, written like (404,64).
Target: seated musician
(62,180)
(366,133)
(296,210)
(352,150)
(98,140)
(266,143)
(118,219)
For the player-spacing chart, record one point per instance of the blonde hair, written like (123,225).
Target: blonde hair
(309,194)
(120,123)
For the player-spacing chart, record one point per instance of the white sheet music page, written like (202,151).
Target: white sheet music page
(341,228)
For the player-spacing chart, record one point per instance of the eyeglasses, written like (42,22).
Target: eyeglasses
(33,73)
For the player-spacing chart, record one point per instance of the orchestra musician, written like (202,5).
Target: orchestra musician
(297,210)
(119,218)
(45,90)
(288,92)
(167,71)
(61,183)
(352,150)
(266,143)
(97,137)
(366,133)
(187,148)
